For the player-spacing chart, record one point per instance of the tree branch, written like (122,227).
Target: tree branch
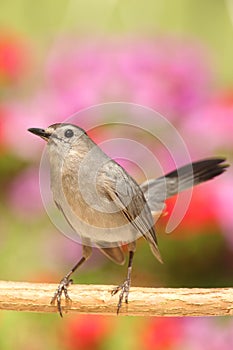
(96,299)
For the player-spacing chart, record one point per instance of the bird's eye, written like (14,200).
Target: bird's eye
(69,133)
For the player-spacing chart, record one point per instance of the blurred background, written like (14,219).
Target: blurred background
(57,58)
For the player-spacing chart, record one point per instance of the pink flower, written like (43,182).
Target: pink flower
(16,119)
(24,194)
(169,76)
(208,131)
(1,128)
(212,124)
(224,205)
(210,333)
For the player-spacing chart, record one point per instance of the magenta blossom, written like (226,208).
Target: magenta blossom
(208,333)
(24,194)
(213,124)
(16,119)
(168,75)
(224,205)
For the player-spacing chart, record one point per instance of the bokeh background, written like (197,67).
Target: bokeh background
(59,57)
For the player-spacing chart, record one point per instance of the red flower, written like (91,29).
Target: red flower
(162,333)
(86,332)
(13,58)
(201,212)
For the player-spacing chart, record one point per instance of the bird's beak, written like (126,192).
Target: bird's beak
(41,132)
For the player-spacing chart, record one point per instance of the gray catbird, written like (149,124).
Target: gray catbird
(103,204)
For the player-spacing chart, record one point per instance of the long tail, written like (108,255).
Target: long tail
(156,191)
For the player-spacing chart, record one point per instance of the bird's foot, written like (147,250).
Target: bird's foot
(124,293)
(62,288)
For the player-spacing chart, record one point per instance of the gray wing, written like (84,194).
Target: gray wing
(156,191)
(129,198)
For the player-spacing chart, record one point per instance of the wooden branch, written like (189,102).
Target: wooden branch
(96,299)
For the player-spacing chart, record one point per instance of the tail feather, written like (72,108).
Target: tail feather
(156,191)
(193,174)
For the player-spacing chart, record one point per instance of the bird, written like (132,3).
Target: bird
(104,205)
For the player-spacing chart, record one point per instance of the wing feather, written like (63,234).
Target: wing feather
(129,198)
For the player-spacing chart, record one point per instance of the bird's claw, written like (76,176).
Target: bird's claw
(62,288)
(124,293)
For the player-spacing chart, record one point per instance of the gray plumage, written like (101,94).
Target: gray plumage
(156,191)
(103,203)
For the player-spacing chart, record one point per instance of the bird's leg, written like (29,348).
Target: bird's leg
(125,286)
(66,281)
(63,287)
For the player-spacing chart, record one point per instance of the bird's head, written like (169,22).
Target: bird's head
(60,134)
